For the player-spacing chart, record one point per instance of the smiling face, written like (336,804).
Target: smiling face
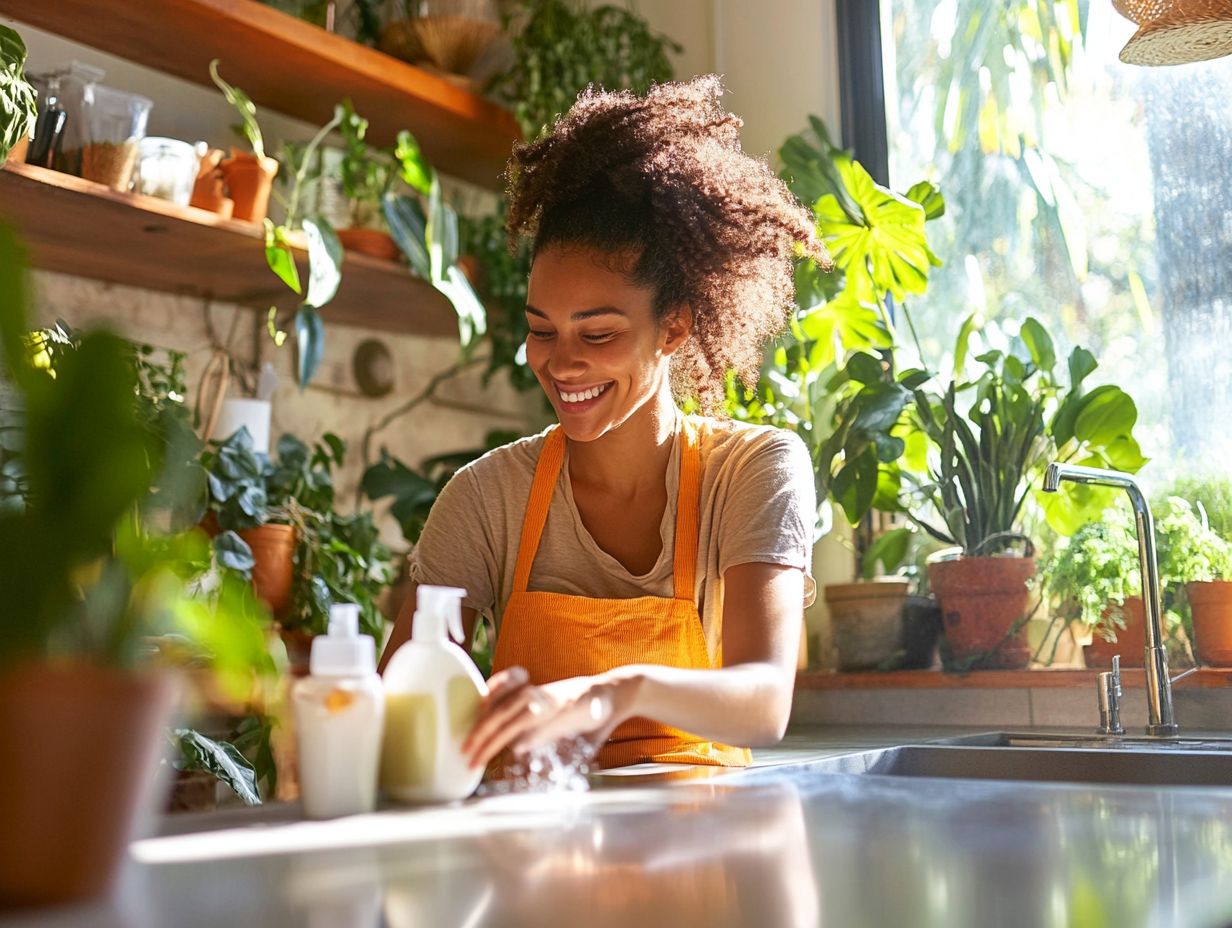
(594,343)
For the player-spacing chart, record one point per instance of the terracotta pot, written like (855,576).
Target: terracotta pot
(1211,602)
(79,747)
(984,603)
(273,549)
(18,152)
(299,649)
(210,189)
(867,622)
(193,791)
(372,242)
(249,182)
(1130,641)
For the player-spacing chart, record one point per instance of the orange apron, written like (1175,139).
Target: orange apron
(556,635)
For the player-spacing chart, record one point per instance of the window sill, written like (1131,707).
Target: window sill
(1131,678)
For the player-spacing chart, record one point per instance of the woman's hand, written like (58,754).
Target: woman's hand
(521,716)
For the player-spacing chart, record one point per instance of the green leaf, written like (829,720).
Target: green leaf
(889,549)
(1107,414)
(863,368)
(409,228)
(310,342)
(1081,364)
(244,106)
(472,317)
(279,255)
(962,344)
(219,758)
(1039,344)
(234,553)
(324,261)
(886,252)
(855,485)
(414,168)
(929,197)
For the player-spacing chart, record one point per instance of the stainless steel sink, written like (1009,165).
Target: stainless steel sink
(1051,758)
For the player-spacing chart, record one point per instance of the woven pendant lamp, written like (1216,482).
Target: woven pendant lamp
(1176,31)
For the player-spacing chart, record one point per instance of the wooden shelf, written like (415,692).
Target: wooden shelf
(292,67)
(80,227)
(1131,678)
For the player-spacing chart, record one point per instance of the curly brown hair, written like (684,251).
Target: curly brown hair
(662,178)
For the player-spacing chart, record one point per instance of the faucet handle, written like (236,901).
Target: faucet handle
(1108,692)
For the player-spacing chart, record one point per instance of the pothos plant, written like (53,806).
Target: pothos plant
(324,250)
(18,100)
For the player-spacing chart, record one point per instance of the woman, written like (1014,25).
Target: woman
(646,570)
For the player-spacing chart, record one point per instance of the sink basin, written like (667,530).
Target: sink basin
(1051,758)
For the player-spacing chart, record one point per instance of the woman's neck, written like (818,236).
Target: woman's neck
(631,458)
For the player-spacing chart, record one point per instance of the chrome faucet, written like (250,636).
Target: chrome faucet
(1160,721)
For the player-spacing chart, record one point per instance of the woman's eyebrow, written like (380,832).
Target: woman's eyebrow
(584,314)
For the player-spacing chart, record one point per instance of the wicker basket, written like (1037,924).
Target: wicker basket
(1176,31)
(457,37)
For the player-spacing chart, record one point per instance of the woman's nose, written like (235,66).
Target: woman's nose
(566,359)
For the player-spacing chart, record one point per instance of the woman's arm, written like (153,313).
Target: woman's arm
(401,632)
(745,702)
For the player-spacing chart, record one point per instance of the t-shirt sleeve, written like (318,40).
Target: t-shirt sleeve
(455,547)
(769,518)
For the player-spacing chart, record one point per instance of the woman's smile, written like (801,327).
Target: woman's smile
(580,397)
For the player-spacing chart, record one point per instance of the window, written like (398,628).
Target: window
(1091,194)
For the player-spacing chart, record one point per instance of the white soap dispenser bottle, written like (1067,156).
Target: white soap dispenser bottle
(339,715)
(432,695)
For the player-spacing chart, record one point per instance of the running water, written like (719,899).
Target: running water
(555,768)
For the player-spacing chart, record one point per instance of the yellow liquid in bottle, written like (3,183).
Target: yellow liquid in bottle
(408,757)
(462,705)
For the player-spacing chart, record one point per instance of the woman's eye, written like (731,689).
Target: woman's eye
(599,336)
(540,333)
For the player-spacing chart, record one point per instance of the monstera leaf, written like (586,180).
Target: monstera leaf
(885,250)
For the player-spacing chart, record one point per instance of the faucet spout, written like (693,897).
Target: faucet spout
(1161,721)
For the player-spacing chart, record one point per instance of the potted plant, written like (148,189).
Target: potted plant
(94,579)
(366,175)
(1198,562)
(249,176)
(18,100)
(339,558)
(990,438)
(886,620)
(1093,577)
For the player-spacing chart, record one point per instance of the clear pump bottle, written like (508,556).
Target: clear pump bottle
(339,717)
(432,695)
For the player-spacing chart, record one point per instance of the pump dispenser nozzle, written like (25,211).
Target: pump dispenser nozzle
(344,650)
(438,614)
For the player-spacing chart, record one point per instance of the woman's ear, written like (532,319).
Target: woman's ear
(676,328)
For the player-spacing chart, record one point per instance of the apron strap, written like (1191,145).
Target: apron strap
(684,563)
(541,490)
(547,470)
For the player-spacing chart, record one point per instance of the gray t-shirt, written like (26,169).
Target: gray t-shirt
(757,506)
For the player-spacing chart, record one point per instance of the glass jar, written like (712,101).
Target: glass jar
(167,169)
(115,126)
(76,85)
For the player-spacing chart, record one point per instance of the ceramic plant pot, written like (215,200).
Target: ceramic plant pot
(921,629)
(79,746)
(372,242)
(866,620)
(984,603)
(299,649)
(1130,641)
(1211,602)
(249,181)
(273,549)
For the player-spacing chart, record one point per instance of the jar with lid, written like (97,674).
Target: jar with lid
(167,168)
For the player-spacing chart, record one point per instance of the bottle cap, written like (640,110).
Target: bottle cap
(344,651)
(438,614)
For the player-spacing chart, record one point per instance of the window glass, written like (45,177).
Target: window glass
(1091,194)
